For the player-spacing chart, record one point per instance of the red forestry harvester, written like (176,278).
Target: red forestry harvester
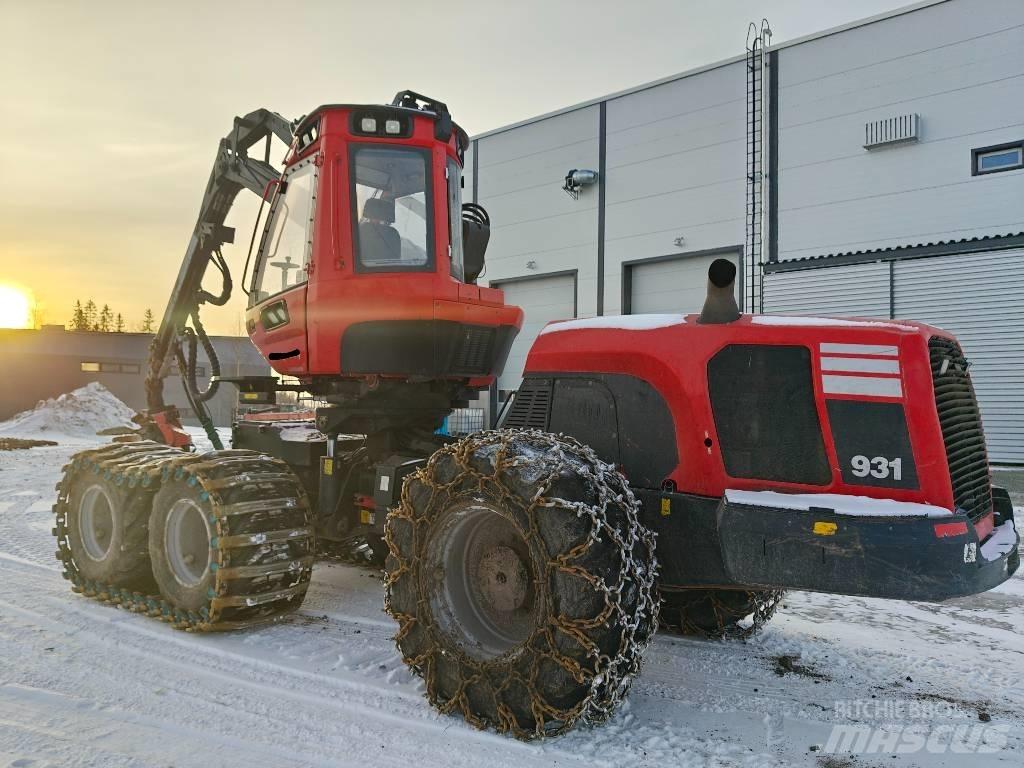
(766,453)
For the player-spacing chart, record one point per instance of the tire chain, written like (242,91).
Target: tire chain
(145,465)
(727,616)
(609,676)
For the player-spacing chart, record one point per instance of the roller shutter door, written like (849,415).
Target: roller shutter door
(542,299)
(672,285)
(978,297)
(859,290)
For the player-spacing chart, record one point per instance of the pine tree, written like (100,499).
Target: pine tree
(147,321)
(106,319)
(90,316)
(78,321)
(119,323)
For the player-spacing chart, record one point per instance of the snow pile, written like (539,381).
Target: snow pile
(81,413)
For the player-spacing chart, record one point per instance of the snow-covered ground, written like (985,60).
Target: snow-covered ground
(84,684)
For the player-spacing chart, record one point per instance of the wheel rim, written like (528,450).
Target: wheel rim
(484,591)
(187,542)
(96,522)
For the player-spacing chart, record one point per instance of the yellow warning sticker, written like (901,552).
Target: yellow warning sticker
(328,466)
(822,528)
(666,507)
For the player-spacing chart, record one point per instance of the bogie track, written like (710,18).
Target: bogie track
(261,544)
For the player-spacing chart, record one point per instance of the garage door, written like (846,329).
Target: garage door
(977,297)
(860,290)
(542,299)
(672,285)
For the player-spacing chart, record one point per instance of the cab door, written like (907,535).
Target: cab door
(276,318)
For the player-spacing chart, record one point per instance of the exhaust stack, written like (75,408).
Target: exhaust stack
(720,304)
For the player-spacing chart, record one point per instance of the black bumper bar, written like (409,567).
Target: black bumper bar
(712,542)
(908,558)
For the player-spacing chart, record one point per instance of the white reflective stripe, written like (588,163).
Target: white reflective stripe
(861,385)
(858,349)
(860,364)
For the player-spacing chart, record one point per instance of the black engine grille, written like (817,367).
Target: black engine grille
(531,407)
(961,428)
(475,350)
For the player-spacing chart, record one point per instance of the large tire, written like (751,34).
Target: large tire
(107,530)
(522,582)
(717,613)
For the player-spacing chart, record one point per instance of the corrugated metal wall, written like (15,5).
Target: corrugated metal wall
(857,290)
(980,299)
(977,297)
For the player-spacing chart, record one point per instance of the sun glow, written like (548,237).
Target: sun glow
(16,307)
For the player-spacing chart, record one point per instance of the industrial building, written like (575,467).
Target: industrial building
(40,364)
(876,169)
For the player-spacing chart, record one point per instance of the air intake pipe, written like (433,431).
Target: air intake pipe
(720,304)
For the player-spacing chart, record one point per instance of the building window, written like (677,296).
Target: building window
(1002,157)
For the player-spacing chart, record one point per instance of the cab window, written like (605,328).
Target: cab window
(287,242)
(454,177)
(392,204)
(762,400)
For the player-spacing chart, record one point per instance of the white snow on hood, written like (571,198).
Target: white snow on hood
(81,413)
(857,506)
(802,320)
(620,322)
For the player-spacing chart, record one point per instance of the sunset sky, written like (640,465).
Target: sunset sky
(111,111)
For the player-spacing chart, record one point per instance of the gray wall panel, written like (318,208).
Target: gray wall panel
(860,290)
(675,168)
(520,178)
(958,65)
(980,299)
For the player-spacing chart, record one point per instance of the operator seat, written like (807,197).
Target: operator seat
(379,242)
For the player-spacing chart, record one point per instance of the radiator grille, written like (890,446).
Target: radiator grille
(474,351)
(531,407)
(961,428)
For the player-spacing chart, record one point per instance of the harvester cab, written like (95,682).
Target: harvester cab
(367,261)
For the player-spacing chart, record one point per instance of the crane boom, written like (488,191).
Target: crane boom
(233,170)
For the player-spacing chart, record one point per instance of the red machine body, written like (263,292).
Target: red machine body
(673,354)
(337,315)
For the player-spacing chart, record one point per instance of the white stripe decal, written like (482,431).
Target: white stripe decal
(860,364)
(858,349)
(861,385)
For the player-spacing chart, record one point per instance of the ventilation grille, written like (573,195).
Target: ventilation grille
(531,407)
(891,130)
(474,352)
(961,428)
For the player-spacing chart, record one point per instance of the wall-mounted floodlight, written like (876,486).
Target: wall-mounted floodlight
(576,179)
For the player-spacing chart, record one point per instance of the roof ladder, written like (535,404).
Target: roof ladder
(758,40)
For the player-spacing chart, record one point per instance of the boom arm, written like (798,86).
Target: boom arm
(232,171)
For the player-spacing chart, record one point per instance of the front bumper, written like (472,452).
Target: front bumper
(893,557)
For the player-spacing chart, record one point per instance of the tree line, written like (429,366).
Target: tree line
(89,317)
